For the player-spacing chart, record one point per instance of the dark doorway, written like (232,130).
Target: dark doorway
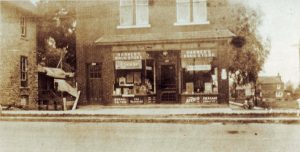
(94,83)
(168,83)
(168,77)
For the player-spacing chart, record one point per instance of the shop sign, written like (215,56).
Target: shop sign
(197,53)
(132,64)
(198,67)
(129,56)
(136,101)
(193,100)
(224,74)
(210,99)
(120,100)
(202,99)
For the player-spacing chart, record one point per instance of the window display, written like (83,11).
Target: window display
(133,77)
(199,72)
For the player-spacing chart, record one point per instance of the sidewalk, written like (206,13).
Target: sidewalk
(158,110)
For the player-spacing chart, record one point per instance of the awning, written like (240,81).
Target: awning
(55,72)
(64,86)
(164,37)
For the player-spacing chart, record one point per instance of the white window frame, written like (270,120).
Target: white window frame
(23,26)
(191,11)
(134,13)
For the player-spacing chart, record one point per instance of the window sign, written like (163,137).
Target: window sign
(132,64)
(198,67)
(197,53)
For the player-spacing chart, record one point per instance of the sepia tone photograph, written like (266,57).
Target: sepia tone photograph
(149,75)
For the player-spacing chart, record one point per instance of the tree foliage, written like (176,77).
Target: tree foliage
(248,50)
(56,36)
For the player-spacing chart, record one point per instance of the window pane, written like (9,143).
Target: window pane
(126,12)
(199,11)
(142,15)
(141,2)
(183,11)
(126,15)
(126,2)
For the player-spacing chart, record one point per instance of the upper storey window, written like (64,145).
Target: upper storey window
(23,26)
(191,12)
(134,13)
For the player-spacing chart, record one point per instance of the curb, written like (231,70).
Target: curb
(203,120)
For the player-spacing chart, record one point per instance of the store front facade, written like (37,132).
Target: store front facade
(162,72)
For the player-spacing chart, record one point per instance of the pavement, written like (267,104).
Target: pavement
(158,114)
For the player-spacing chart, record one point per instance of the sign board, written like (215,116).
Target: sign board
(120,100)
(130,64)
(198,53)
(129,56)
(136,100)
(201,99)
(198,67)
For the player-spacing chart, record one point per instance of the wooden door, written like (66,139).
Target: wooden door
(94,83)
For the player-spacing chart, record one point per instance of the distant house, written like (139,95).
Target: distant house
(18,68)
(271,87)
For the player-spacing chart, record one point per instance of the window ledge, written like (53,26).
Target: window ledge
(191,23)
(133,26)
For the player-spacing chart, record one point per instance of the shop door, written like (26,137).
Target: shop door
(168,84)
(94,83)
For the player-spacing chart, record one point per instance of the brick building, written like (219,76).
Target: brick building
(271,87)
(18,74)
(152,51)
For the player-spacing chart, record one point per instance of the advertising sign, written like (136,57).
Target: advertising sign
(198,53)
(129,56)
(130,64)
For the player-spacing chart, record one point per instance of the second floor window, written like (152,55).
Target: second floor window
(191,11)
(134,13)
(23,26)
(24,71)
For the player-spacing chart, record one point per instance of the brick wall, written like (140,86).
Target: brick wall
(98,18)
(12,47)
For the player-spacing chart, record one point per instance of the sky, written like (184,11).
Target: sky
(281,23)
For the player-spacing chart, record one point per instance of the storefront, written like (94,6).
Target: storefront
(169,76)
(154,68)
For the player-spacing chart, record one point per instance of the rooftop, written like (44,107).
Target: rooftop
(269,79)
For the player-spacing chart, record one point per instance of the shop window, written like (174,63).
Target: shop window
(23,26)
(134,75)
(191,12)
(199,72)
(24,71)
(134,13)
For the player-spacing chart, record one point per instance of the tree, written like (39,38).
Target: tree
(56,36)
(248,50)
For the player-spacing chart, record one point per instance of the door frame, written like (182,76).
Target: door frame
(88,83)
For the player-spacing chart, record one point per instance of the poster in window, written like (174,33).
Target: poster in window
(189,87)
(137,78)
(129,78)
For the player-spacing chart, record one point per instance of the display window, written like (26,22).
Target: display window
(199,73)
(134,75)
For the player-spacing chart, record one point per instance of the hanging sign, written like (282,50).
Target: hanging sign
(130,64)
(129,56)
(198,67)
(224,74)
(198,53)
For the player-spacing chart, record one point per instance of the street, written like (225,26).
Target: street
(129,137)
